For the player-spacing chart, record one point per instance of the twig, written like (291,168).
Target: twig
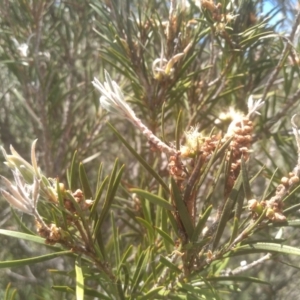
(249,266)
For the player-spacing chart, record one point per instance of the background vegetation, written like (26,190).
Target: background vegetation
(180,65)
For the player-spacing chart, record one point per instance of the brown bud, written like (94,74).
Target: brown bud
(238,130)
(247,122)
(248,129)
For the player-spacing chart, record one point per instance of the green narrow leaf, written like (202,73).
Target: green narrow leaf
(178,129)
(79,279)
(116,239)
(62,210)
(111,190)
(234,230)
(33,260)
(165,236)
(167,263)
(165,227)
(266,247)
(182,209)
(253,225)
(201,223)
(153,199)
(173,222)
(153,292)
(291,209)
(292,223)
(140,159)
(153,264)
(27,237)
(10,294)
(237,279)
(226,212)
(269,185)
(21,224)
(146,211)
(101,245)
(125,257)
(163,122)
(65,289)
(158,209)
(85,182)
(120,290)
(95,294)
(72,174)
(149,228)
(99,183)
(239,205)
(98,196)
(125,275)
(215,181)
(140,268)
(221,266)
(246,184)
(260,171)
(292,193)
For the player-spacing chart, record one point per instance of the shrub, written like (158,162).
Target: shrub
(197,164)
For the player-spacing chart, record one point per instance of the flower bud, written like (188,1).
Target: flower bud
(252,204)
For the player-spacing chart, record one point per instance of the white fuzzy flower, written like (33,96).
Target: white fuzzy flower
(112,98)
(254,106)
(21,196)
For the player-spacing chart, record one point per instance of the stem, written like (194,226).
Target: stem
(152,138)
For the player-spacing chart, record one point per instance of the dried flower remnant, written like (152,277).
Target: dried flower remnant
(52,234)
(79,198)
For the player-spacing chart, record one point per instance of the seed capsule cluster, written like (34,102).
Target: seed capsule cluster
(241,133)
(274,206)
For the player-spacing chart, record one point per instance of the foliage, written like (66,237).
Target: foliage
(198,171)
